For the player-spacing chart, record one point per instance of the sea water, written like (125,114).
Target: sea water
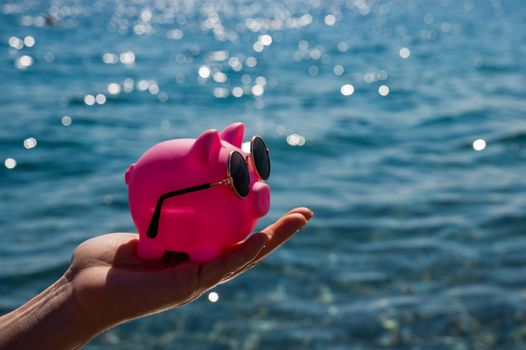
(400,123)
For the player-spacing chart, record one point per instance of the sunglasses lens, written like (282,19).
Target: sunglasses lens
(239,172)
(261,158)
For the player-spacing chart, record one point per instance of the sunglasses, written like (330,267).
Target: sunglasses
(238,178)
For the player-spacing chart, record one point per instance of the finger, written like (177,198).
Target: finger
(281,231)
(306,212)
(303,211)
(278,233)
(213,271)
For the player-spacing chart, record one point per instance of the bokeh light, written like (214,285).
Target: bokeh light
(479,145)
(30,143)
(10,163)
(24,62)
(66,120)
(347,90)
(114,88)
(404,52)
(295,139)
(89,100)
(16,43)
(100,99)
(29,41)
(204,72)
(383,90)
(213,297)
(330,20)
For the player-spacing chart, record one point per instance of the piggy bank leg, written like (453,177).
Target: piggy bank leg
(148,250)
(204,255)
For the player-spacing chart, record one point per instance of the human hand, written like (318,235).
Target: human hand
(110,284)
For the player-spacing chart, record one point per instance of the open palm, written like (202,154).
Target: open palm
(111,284)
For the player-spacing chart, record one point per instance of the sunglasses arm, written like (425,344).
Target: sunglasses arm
(154,223)
(227,181)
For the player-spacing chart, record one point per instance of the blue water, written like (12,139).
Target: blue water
(418,239)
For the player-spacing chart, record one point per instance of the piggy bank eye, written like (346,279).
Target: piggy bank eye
(238,170)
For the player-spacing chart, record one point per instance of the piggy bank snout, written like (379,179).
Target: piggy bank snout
(261,198)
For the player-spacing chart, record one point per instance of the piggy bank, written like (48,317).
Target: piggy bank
(197,196)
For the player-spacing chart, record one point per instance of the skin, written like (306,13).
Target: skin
(107,284)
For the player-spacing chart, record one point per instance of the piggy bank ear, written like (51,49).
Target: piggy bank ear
(128,173)
(234,134)
(207,146)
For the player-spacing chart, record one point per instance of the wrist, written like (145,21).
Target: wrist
(51,320)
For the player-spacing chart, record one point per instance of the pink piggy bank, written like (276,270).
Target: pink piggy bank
(198,196)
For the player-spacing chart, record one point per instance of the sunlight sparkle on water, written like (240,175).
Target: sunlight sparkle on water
(146,15)
(219,77)
(235,63)
(343,46)
(127,57)
(218,56)
(10,163)
(153,88)
(163,97)
(204,72)
(237,91)
(221,92)
(383,90)
(127,86)
(258,46)
(347,90)
(303,45)
(246,79)
(66,120)
(261,81)
(295,140)
(330,20)
(29,41)
(100,99)
(89,100)
(110,58)
(114,88)
(213,297)
(175,34)
(30,143)
(370,77)
(479,145)
(404,52)
(382,75)
(251,61)
(257,90)
(338,69)
(24,62)
(265,40)
(16,43)
(143,85)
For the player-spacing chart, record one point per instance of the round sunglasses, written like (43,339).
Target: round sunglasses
(238,177)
